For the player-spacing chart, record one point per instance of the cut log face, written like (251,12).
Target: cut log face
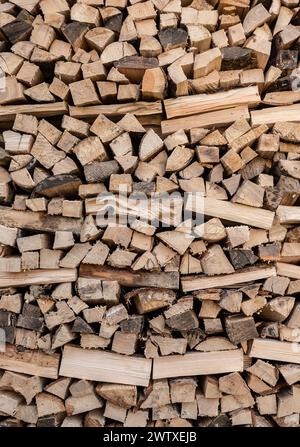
(149,213)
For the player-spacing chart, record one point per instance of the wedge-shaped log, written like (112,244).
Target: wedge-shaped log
(196,364)
(105,367)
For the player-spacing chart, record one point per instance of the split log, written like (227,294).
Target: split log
(192,105)
(37,277)
(30,362)
(131,279)
(105,367)
(195,283)
(197,364)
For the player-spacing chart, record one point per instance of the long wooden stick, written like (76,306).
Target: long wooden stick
(274,115)
(197,363)
(29,220)
(234,212)
(37,277)
(212,119)
(209,102)
(8,113)
(105,367)
(35,363)
(130,278)
(117,110)
(201,282)
(275,350)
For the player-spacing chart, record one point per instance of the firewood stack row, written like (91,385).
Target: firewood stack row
(150,213)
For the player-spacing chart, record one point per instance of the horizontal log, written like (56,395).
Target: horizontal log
(234,212)
(209,102)
(105,367)
(201,282)
(34,363)
(31,277)
(198,363)
(288,214)
(274,115)
(219,118)
(288,270)
(8,113)
(275,350)
(29,220)
(167,211)
(117,110)
(129,278)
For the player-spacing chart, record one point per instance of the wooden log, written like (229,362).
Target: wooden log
(288,270)
(219,118)
(8,113)
(288,214)
(194,364)
(272,115)
(201,282)
(31,277)
(275,350)
(29,220)
(234,212)
(35,363)
(129,278)
(105,367)
(139,109)
(192,105)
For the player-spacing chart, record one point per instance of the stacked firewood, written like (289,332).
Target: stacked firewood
(149,213)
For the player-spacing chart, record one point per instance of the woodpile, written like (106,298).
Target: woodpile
(114,313)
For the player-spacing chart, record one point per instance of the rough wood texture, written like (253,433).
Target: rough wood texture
(149,213)
(197,364)
(105,367)
(131,279)
(30,362)
(194,283)
(37,277)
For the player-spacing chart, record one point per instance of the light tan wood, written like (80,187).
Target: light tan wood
(30,362)
(195,283)
(105,367)
(197,364)
(288,214)
(211,119)
(234,212)
(288,270)
(37,277)
(274,115)
(275,350)
(8,113)
(192,105)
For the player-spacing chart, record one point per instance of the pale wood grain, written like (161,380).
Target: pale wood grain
(201,282)
(105,367)
(34,363)
(195,364)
